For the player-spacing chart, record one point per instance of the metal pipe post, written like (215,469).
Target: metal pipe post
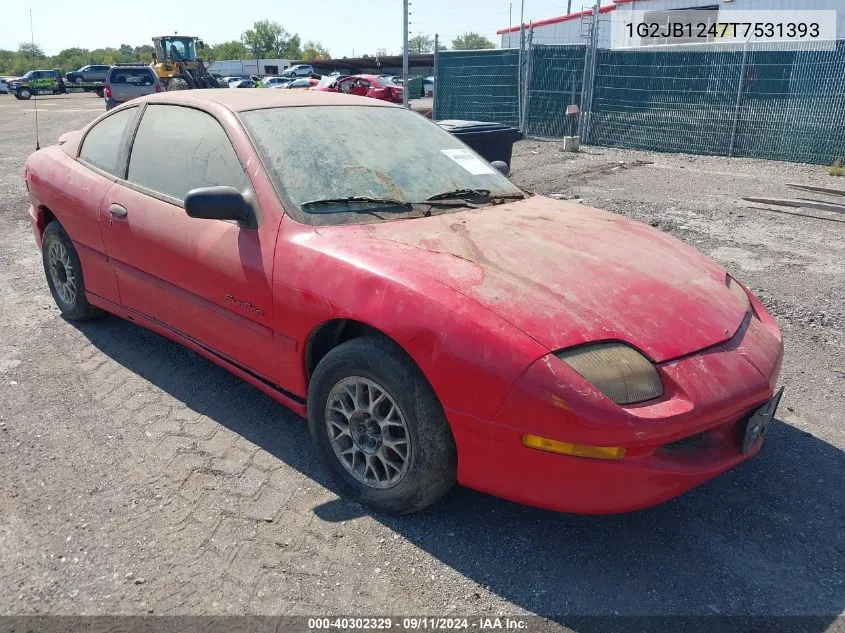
(406,92)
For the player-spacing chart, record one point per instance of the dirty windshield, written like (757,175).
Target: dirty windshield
(351,161)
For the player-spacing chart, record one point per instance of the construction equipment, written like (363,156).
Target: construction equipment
(176,63)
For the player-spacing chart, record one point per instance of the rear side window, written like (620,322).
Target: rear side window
(178,149)
(102,145)
(132,77)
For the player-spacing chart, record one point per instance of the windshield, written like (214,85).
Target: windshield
(381,153)
(180,49)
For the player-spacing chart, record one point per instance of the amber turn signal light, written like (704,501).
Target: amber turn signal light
(576,450)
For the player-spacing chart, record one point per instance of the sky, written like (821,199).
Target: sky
(345,27)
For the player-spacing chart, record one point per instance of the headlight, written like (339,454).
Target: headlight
(618,371)
(738,291)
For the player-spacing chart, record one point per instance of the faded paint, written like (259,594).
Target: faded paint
(566,274)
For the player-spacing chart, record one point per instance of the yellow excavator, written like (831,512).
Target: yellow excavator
(176,63)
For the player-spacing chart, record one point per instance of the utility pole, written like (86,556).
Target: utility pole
(406,92)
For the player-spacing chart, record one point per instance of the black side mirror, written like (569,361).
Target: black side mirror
(502,166)
(221,203)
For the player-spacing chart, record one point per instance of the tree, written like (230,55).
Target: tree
(471,41)
(421,44)
(144,53)
(269,39)
(293,48)
(233,49)
(315,51)
(382,52)
(31,51)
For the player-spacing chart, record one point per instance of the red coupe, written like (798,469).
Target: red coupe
(372,86)
(434,322)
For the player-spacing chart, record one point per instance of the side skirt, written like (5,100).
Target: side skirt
(295,403)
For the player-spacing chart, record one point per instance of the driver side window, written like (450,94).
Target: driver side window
(178,149)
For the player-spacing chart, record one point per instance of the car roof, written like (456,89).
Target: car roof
(241,100)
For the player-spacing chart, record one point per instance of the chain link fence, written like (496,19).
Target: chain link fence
(478,86)
(718,99)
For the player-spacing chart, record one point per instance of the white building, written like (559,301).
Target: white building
(246,67)
(574,28)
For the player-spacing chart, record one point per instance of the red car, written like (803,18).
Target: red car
(372,86)
(433,321)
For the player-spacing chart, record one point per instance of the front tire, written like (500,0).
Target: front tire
(177,83)
(24,94)
(378,426)
(64,274)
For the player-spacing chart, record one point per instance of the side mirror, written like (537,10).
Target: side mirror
(502,166)
(221,203)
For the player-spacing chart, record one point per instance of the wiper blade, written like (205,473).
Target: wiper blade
(349,200)
(460,194)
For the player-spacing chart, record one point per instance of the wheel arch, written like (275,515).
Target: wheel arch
(329,334)
(44,216)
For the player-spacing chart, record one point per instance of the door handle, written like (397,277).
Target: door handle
(118,211)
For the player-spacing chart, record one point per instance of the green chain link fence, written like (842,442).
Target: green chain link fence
(722,100)
(478,86)
(555,75)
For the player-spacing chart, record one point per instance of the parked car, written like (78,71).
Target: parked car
(434,322)
(244,83)
(124,83)
(328,82)
(372,86)
(275,82)
(91,73)
(305,83)
(4,85)
(300,70)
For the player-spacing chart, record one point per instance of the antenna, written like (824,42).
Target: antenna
(34,96)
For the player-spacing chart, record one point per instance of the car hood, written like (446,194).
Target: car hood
(566,274)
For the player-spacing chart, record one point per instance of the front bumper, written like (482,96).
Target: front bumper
(690,435)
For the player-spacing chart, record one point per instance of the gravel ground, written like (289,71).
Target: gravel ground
(139,478)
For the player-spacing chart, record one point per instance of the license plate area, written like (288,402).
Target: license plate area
(758,423)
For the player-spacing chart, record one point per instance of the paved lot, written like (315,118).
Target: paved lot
(140,478)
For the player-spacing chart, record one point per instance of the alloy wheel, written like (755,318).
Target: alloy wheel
(62,272)
(368,432)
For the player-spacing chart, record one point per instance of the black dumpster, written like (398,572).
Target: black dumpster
(494,141)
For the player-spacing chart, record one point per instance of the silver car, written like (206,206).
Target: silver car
(125,83)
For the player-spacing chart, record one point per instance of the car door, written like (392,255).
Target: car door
(209,280)
(361,87)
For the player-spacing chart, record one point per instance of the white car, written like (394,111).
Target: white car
(4,85)
(300,70)
(275,82)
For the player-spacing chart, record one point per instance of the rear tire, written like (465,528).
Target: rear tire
(64,275)
(379,428)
